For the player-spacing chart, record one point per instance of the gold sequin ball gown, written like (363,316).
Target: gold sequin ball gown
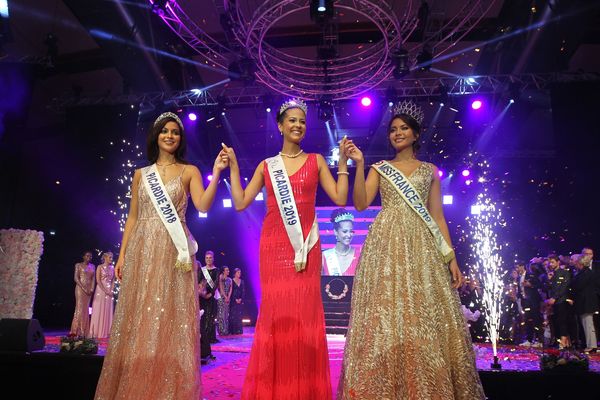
(407,338)
(154,346)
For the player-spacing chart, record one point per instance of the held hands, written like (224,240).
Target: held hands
(222,160)
(230,154)
(457,277)
(343,156)
(350,150)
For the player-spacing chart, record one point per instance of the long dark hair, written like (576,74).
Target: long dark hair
(412,123)
(152,141)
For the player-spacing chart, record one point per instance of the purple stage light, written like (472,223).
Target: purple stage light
(192,116)
(365,101)
(440,173)
(476,105)
(466,172)
(209,178)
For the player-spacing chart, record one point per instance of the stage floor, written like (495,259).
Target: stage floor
(223,377)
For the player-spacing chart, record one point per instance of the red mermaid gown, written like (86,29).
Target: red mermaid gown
(289,358)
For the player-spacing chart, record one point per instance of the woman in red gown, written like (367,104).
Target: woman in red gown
(289,358)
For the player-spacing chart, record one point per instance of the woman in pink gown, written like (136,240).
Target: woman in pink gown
(102,305)
(84,288)
(289,358)
(154,347)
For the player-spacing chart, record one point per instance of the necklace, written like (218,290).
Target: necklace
(343,254)
(164,167)
(292,155)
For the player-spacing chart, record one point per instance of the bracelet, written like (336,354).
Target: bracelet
(343,173)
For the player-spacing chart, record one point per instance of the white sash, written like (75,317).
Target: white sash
(333,266)
(211,283)
(289,212)
(208,278)
(403,186)
(186,247)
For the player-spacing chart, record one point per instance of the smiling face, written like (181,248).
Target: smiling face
(344,232)
(169,137)
(209,259)
(293,125)
(401,135)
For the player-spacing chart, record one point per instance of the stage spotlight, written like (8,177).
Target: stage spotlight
(192,116)
(476,104)
(391,95)
(227,203)
(202,215)
(197,92)
(475,210)
(447,199)
(401,63)
(267,101)
(259,197)
(514,91)
(470,80)
(366,101)
(440,173)
(466,172)
(321,10)
(424,59)
(209,177)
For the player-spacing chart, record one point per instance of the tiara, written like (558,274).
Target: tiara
(293,103)
(411,109)
(347,216)
(168,115)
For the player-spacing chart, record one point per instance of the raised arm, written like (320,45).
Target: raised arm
(364,192)
(202,198)
(242,198)
(434,204)
(336,190)
(129,223)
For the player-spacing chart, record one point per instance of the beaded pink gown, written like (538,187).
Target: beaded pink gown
(102,304)
(84,288)
(154,346)
(289,359)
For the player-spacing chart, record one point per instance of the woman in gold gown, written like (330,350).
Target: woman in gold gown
(407,337)
(154,347)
